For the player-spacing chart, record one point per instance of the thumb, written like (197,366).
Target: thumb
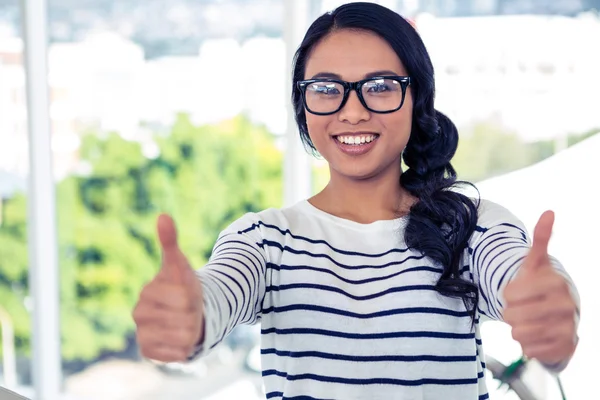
(174,263)
(538,255)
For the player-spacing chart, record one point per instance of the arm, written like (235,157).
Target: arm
(233,283)
(498,254)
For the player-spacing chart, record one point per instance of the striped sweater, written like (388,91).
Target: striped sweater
(347,311)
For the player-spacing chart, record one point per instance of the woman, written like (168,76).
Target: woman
(374,288)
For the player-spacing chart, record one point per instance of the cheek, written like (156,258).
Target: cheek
(399,124)
(317,128)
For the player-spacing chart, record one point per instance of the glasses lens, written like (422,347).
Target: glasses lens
(324,97)
(382,94)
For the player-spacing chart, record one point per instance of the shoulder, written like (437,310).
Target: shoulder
(272,220)
(495,222)
(491,214)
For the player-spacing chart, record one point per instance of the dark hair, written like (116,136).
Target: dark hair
(442,220)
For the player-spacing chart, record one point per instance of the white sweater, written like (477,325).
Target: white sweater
(348,312)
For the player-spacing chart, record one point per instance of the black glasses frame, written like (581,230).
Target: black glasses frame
(357,87)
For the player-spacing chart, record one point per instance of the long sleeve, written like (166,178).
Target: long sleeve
(233,282)
(496,252)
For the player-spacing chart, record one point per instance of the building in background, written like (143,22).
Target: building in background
(522,71)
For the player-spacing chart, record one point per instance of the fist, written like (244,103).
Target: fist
(169,314)
(539,305)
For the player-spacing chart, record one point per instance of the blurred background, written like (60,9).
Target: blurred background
(183,106)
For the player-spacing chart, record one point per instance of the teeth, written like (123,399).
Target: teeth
(356,140)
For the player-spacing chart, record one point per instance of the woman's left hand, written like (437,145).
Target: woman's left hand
(539,305)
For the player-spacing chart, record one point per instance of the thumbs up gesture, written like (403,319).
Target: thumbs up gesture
(539,306)
(169,313)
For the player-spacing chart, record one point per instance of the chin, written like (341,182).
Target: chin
(357,174)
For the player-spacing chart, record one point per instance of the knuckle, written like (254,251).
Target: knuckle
(517,334)
(529,352)
(140,313)
(509,293)
(136,311)
(183,337)
(147,292)
(559,284)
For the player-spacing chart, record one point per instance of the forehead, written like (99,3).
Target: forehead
(352,55)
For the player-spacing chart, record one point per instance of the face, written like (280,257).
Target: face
(352,56)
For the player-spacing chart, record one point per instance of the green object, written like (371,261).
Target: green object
(514,371)
(561,388)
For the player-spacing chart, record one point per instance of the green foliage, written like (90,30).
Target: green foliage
(488,150)
(13,264)
(205,177)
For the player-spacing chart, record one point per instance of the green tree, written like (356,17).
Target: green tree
(13,265)
(487,150)
(204,176)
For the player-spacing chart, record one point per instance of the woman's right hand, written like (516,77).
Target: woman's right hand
(169,315)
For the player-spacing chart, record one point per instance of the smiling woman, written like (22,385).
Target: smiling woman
(376,286)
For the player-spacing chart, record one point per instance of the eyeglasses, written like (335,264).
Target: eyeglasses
(380,94)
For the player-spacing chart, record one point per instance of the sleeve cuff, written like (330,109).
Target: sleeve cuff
(210,330)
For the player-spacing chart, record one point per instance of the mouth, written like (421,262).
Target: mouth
(356,144)
(356,139)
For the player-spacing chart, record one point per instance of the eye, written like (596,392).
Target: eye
(381,86)
(377,87)
(324,88)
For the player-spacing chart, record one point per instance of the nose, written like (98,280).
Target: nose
(353,111)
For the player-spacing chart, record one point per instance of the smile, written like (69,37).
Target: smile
(356,139)
(356,144)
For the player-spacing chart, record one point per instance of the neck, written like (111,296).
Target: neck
(366,200)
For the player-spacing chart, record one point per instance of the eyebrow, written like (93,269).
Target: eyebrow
(332,75)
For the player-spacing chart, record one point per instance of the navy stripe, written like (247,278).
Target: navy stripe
(223,242)
(371,381)
(245,309)
(497,265)
(346,294)
(487,281)
(484,397)
(288,249)
(486,277)
(255,272)
(377,314)
(521,231)
(301,398)
(490,313)
(367,336)
(486,251)
(328,271)
(509,270)
(232,313)
(354,358)
(483,243)
(272,395)
(210,304)
(317,241)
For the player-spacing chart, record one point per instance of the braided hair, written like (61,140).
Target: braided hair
(442,220)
